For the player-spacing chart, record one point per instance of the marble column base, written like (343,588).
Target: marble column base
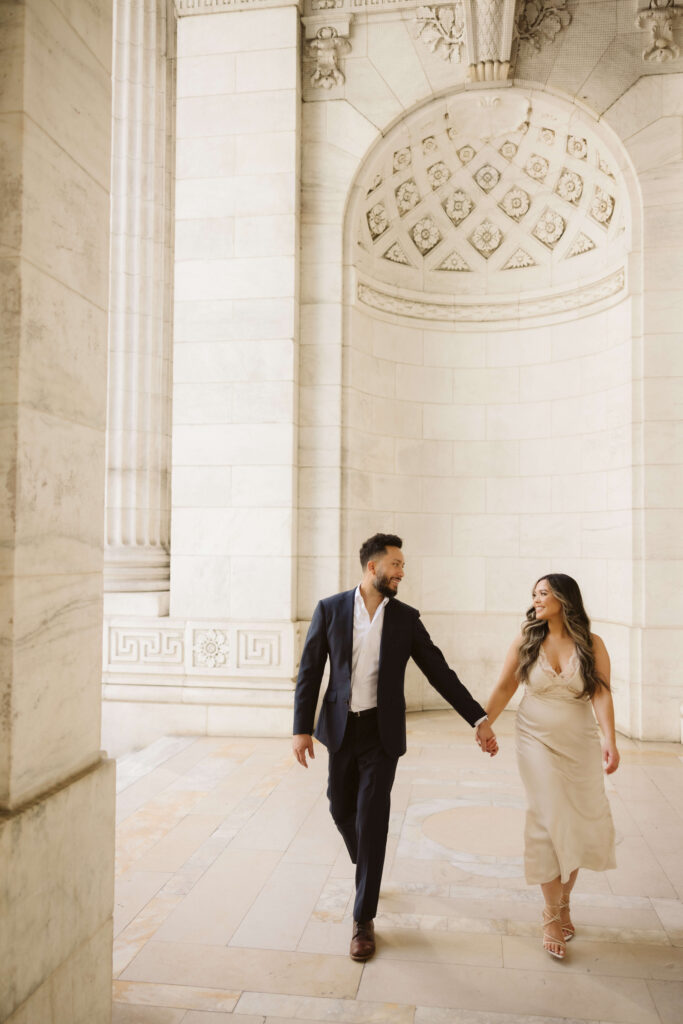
(57,895)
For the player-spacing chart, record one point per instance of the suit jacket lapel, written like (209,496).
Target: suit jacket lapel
(387,628)
(346,624)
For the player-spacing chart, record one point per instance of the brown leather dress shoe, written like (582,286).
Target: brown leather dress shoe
(363,940)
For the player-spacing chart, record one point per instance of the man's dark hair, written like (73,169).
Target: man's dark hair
(377,545)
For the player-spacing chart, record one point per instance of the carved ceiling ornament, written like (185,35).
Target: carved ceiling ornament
(539,21)
(486,30)
(485,182)
(659,19)
(327,49)
(442,29)
(489,36)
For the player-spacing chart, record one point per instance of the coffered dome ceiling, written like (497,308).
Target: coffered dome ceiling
(490,193)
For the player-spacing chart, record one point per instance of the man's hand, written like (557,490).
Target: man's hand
(486,739)
(302,744)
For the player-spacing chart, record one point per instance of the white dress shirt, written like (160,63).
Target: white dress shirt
(367,637)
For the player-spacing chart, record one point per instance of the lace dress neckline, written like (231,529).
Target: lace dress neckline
(567,673)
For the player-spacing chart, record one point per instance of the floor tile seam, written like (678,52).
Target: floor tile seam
(313,797)
(335,1000)
(204,869)
(513,910)
(149,938)
(152,896)
(299,937)
(524,896)
(191,741)
(225,994)
(577,971)
(637,940)
(504,1018)
(257,894)
(159,814)
(149,799)
(175,870)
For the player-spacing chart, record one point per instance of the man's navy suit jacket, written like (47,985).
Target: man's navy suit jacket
(403,636)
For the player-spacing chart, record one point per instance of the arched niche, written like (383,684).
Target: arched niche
(487,413)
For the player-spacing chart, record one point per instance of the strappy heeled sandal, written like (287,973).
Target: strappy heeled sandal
(551,915)
(568,930)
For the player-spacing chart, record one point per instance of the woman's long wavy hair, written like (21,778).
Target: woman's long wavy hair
(577,624)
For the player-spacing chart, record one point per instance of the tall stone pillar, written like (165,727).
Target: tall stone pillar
(224,659)
(140,328)
(56,788)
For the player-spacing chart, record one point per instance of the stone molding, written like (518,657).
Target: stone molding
(326,42)
(658,18)
(487,31)
(188,7)
(231,654)
(450,310)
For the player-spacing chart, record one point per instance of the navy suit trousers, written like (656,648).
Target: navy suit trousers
(361,775)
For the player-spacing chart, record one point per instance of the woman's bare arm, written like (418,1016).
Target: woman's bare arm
(507,683)
(603,706)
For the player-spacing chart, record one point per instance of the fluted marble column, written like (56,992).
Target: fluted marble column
(138,429)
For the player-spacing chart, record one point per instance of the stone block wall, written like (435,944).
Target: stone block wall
(236,291)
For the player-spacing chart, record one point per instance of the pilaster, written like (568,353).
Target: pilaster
(140,316)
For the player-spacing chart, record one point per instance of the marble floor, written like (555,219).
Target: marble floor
(234,892)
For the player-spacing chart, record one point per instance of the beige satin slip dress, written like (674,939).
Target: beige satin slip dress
(568,821)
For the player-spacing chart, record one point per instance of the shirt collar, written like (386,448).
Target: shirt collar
(360,603)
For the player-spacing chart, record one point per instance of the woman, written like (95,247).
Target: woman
(566,671)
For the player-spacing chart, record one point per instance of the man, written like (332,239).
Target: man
(368,637)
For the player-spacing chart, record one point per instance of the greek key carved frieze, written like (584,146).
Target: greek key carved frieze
(258,649)
(138,646)
(222,651)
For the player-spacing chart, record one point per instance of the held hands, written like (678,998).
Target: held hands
(485,737)
(610,756)
(302,744)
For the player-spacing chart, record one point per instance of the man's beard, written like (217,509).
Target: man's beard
(381,583)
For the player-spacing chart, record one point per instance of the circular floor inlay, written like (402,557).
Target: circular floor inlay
(497,831)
